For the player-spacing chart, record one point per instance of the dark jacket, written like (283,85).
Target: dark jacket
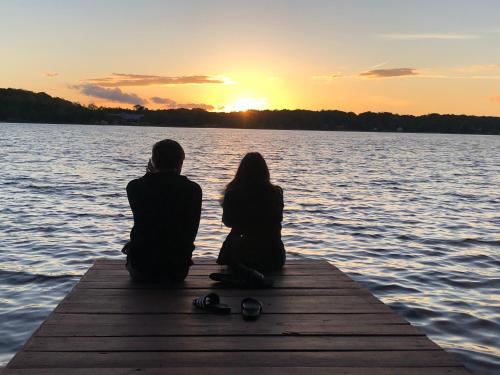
(166,208)
(254,216)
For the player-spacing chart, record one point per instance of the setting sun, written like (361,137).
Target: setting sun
(244,104)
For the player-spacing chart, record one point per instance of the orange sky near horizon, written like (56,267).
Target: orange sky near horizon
(228,56)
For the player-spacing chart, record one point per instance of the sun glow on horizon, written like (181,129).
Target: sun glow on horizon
(245,104)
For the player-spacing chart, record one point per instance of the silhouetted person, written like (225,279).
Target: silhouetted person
(253,209)
(166,208)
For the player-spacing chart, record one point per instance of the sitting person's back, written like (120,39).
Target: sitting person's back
(166,208)
(253,209)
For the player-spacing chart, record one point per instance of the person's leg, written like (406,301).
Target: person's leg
(269,259)
(177,275)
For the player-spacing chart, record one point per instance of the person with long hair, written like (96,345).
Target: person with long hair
(253,209)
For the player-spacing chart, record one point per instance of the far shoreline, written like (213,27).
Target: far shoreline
(21,106)
(210,126)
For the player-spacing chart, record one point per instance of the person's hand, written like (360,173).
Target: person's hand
(126,248)
(150,168)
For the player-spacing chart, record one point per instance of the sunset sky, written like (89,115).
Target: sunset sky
(401,56)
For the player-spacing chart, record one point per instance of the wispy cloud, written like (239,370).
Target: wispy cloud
(461,77)
(387,73)
(429,36)
(479,68)
(379,65)
(469,72)
(165,101)
(114,94)
(486,78)
(50,74)
(327,77)
(172,104)
(125,79)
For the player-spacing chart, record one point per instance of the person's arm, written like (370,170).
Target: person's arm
(281,202)
(132,201)
(229,210)
(190,218)
(134,207)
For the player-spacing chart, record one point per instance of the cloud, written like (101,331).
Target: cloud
(386,73)
(124,79)
(172,104)
(158,100)
(463,77)
(329,77)
(206,107)
(478,68)
(50,74)
(488,72)
(379,65)
(430,36)
(115,95)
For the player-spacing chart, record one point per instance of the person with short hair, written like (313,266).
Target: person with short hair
(166,207)
(253,209)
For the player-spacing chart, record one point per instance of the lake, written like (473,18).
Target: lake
(413,217)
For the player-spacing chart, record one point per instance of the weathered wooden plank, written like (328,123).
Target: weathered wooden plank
(205,271)
(299,265)
(183,305)
(206,283)
(431,358)
(231,343)
(120,264)
(199,325)
(212,330)
(165,320)
(213,260)
(323,268)
(161,297)
(208,269)
(243,371)
(131,307)
(125,293)
(197,263)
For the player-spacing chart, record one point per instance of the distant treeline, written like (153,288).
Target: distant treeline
(26,106)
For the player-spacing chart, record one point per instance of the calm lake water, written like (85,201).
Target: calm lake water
(414,217)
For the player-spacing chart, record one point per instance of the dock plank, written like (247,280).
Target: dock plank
(183,304)
(240,370)
(432,358)
(130,292)
(232,320)
(199,328)
(315,320)
(206,270)
(227,343)
(307,282)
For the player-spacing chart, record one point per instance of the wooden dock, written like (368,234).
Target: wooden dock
(316,320)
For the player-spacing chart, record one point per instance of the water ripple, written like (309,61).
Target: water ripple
(413,217)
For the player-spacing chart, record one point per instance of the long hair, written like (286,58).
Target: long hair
(252,171)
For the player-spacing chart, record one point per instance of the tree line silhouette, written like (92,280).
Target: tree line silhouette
(26,106)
